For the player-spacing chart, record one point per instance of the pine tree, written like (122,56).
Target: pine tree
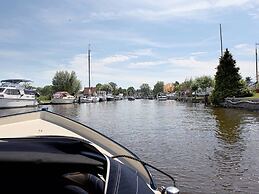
(227,79)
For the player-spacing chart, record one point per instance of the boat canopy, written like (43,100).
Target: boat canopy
(63,165)
(15,81)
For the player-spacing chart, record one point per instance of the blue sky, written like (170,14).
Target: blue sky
(132,41)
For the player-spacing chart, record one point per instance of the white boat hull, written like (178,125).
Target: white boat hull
(62,101)
(162,99)
(85,100)
(16,103)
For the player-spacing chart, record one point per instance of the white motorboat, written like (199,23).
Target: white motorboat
(13,94)
(119,97)
(131,98)
(62,98)
(109,97)
(95,99)
(161,97)
(85,99)
(101,95)
(89,99)
(48,153)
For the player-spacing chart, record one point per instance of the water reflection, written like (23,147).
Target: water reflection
(207,150)
(228,124)
(69,110)
(228,154)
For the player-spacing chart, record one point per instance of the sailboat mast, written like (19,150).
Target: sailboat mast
(221,41)
(89,70)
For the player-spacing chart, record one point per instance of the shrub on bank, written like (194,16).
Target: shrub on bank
(44,98)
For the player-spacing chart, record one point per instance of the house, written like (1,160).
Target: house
(168,88)
(89,91)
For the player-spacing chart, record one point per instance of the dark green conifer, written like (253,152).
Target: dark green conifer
(227,79)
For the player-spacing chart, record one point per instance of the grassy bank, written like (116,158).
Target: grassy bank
(44,100)
(256,95)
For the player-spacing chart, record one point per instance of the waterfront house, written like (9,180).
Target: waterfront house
(89,91)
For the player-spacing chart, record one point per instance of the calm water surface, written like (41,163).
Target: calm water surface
(207,150)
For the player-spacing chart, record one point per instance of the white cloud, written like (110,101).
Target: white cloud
(145,64)
(101,68)
(247,68)
(142,52)
(145,10)
(113,59)
(12,75)
(193,66)
(162,10)
(198,53)
(244,49)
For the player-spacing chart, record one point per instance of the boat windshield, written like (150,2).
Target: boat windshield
(2,89)
(29,92)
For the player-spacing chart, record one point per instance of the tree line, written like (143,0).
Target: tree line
(227,83)
(66,81)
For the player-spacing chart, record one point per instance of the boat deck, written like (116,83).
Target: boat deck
(35,127)
(42,123)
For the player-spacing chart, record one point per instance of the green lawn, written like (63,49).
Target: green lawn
(256,95)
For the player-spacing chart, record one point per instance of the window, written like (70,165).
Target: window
(29,92)
(12,92)
(2,89)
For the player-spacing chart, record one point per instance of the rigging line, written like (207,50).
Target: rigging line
(146,164)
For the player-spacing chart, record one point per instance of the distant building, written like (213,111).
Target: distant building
(168,88)
(89,91)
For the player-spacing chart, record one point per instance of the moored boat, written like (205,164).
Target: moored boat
(119,97)
(131,98)
(62,98)
(85,99)
(68,157)
(101,95)
(14,95)
(161,97)
(93,99)
(109,97)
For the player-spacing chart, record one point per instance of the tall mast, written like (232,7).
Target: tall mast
(89,70)
(256,63)
(221,42)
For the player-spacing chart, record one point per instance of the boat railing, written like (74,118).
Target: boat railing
(11,85)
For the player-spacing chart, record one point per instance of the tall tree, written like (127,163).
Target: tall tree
(145,90)
(113,85)
(131,91)
(186,85)
(106,87)
(176,86)
(120,90)
(65,81)
(158,88)
(176,83)
(114,88)
(204,82)
(194,87)
(227,79)
(98,86)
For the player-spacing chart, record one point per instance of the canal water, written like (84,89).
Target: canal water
(207,150)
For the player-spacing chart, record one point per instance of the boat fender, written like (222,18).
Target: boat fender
(170,190)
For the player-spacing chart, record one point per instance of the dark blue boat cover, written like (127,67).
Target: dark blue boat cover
(124,180)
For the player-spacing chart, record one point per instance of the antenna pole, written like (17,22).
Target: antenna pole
(89,61)
(221,42)
(256,63)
